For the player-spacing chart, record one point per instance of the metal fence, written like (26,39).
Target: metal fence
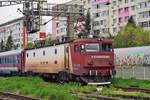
(138,72)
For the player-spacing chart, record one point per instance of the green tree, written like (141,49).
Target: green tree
(132,35)
(145,37)
(131,22)
(9,43)
(48,41)
(2,46)
(29,45)
(88,23)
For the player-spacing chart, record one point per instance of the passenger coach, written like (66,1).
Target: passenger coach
(12,62)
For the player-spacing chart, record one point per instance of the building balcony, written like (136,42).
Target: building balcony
(99,1)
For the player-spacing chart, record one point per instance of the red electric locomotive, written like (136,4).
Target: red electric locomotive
(86,60)
(93,60)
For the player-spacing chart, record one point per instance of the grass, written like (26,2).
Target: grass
(110,91)
(131,82)
(36,87)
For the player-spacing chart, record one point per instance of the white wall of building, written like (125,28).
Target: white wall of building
(15,30)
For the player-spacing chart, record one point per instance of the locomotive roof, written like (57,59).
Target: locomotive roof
(12,52)
(94,40)
(75,41)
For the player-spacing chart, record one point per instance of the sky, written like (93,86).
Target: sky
(9,13)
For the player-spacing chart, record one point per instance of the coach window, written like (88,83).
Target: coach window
(16,59)
(43,53)
(0,61)
(5,60)
(11,59)
(8,60)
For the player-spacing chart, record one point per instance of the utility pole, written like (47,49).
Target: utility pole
(33,10)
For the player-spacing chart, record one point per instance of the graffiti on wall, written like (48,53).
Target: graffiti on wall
(132,59)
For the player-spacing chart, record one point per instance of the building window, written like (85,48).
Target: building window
(120,1)
(114,12)
(96,15)
(142,5)
(126,9)
(126,18)
(132,0)
(120,10)
(114,3)
(114,30)
(114,21)
(97,6)
(145,24)
(126,1)
(144,14)
(132,8)
(120,20)
(88,1)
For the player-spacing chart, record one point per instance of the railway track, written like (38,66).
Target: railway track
(95,96)
(134,89)
(113,97)
(85,96)
(11,96)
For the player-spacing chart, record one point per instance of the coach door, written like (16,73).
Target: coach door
(66,57)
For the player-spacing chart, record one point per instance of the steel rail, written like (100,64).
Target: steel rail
(11,96)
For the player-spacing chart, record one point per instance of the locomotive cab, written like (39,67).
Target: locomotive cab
(93,60)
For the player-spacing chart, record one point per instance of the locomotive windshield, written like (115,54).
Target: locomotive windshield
(107,47)
(94,47)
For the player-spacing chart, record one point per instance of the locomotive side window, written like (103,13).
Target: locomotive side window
(82,47)
(43,53)
(107,47)
(55,51)
(27,55)
(34,54)
(93,47)
(77,48)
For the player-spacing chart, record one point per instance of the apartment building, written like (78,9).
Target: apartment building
(59,24)
(109,16)
(15,29)
(143,10)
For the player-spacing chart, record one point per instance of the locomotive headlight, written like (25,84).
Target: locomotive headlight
(90,62)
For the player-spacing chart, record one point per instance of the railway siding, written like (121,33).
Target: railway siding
(11,96)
